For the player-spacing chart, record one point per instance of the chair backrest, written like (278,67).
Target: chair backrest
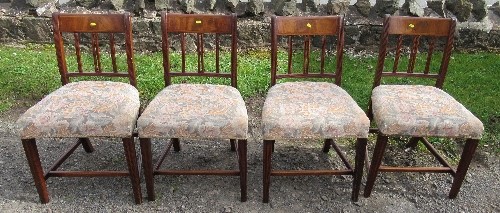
(303,33)
(409,36)
(202,30)
(92,29)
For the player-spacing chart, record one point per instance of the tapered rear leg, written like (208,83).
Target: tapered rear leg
(176,144)
(413,142)
(233,144)
(128,145)
(326,145)
(147,164)
(87,146)
(242,160)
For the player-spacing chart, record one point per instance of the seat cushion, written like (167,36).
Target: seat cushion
(300,110)
(83,109)
(417,110)
(195,111)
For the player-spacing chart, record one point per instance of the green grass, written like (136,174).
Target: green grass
(31,72)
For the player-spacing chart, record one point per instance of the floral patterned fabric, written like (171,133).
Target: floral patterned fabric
(83,109)
(300,110)
(195,111)
(417,110)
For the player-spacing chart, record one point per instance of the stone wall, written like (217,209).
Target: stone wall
(478,22)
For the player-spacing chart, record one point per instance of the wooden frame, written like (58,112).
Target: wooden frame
(417,28)
(311,26)
(291,27)
(182,23)
(94,24)
(200,25)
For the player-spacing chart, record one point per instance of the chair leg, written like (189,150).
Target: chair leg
(358,167)
(378,154)
(233,144)
(147,164)
(369,113)
(267,152)
(31,151)
(242,160)
(326,145)
(413,142)
(87,146)
(128,145)
(463,166)
(176,144)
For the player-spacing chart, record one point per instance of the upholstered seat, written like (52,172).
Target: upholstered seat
(417,110)
(195,111)
(311,110)
(83,109)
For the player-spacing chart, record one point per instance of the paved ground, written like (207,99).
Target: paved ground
(392,193)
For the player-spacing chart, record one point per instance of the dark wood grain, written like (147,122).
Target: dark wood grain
(439,32)
(98,27)
(93,25)
(199,26)
(415,29)
(310,25)
(301,32)
(305,30)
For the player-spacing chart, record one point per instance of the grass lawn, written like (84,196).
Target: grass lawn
(30,72)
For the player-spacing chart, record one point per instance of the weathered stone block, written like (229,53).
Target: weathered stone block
(254,34)
(336,7)
(286,7)
(46,10)
(460,8)
(116,4)
(255,7)
(363,7)
(383,7)
(437,6)
(37,30)
(211,5)
(479,9)
(149,33)
(187,5)
(10,29)
(39,3)
(496,8)
(161,4)
(311,5)
(352,33)
(87,3)
(232,4)
(412,7)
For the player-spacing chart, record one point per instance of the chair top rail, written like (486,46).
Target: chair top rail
(198,29)
(308,35)
(420,35)
(94,25)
